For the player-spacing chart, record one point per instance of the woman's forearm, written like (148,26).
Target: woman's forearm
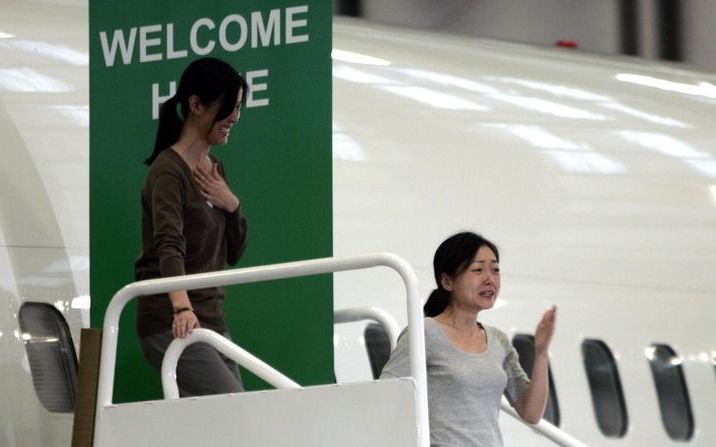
(179,299)
(531,405)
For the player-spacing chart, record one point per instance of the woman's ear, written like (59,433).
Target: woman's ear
(446,282)
(195,105)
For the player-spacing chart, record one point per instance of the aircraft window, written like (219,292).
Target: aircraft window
(525,346)
(51,354)
(377,344)
(606,389)
(670,382)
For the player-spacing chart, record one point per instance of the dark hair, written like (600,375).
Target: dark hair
(211,80)
(451,258)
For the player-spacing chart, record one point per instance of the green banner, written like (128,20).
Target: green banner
(278,162)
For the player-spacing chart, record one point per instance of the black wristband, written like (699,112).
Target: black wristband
(182,309)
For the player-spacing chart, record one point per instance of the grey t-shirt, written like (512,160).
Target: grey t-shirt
(464,389)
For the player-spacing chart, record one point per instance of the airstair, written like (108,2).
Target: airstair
(390,413)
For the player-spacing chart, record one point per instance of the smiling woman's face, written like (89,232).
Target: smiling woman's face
(219,132)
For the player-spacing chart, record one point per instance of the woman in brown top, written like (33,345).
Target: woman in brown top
(191,223)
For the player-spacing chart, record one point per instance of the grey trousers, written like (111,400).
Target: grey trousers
(201,370)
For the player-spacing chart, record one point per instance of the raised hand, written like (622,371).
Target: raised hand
(545,330)
(214,188)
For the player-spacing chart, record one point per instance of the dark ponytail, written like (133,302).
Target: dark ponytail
(169,129)
(211,80)
(437,302)
(451,258)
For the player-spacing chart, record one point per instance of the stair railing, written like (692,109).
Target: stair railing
(108,355)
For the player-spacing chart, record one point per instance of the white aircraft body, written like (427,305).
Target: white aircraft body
(595,176)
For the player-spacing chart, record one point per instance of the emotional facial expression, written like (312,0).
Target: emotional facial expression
(219,131)
(476,287)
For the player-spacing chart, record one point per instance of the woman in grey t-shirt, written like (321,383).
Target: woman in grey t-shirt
(469,365)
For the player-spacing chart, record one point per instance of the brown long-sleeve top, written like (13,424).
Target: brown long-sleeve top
(183,234)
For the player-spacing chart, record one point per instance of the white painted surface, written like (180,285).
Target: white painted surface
(110,326)
(44,221)
(379,414)
(593,175)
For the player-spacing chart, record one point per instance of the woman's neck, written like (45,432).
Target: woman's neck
(462,321)
(193,150)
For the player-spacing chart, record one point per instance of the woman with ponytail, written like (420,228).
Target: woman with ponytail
(191,223)
(471,365)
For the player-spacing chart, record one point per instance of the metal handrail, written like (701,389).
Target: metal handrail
(252,363)
(544,428)
(386,320)
(105,386)
(236,353)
